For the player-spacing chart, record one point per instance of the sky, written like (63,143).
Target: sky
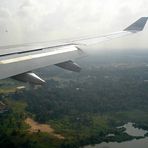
(23,21)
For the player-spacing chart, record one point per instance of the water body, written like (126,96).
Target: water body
(131,130)
(140,143)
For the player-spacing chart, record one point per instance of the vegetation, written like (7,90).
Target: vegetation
(84,108)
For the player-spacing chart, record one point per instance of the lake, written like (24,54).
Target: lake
(140,143)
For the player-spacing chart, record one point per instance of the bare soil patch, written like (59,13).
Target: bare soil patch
(36,127)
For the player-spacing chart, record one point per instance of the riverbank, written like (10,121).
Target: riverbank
(140,143)
(130,130)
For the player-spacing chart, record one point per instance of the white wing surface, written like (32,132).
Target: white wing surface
(18,61)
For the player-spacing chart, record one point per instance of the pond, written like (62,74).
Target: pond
(131,130)
(140,143)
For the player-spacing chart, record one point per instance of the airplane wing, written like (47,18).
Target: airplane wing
(18,61)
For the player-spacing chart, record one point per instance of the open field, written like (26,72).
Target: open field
(36,127)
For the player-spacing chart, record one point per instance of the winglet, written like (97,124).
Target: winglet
(138,25)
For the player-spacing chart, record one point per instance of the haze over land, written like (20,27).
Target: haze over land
(83,108)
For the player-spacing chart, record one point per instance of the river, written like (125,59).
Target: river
(140,143)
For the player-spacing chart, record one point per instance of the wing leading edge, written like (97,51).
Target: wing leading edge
(18,61)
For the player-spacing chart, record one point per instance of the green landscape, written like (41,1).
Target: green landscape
(81,108)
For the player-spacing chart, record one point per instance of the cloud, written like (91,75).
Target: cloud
(36,20)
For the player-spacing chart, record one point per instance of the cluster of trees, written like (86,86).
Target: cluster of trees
(84,108)
(96,92)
